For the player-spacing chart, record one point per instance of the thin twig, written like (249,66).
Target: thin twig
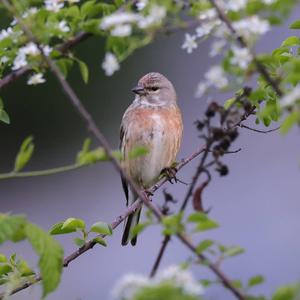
(258,130)
(240,40)
(12,175)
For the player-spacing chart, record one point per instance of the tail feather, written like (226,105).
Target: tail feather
(131,222)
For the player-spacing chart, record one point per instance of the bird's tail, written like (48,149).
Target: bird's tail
(131,222)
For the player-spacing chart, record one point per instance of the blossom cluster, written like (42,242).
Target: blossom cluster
(179,278)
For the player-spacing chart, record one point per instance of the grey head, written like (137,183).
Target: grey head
(155,89)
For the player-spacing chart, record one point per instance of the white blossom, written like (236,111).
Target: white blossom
(63,26)
(127,286)
(156,15)
(141,4)
(236,5)
(19,61)
(118,18)
(268,2)
(4,59)
(30,49)
(180,278)
(241,57)
(189,43)
(251,26)
(290,98)
(207,27)
(36,79)
(208,14)
(110,64)
(47,50)
(216,47)
(73,1)
(54,5)
(216,76)
(201,89)
(30,12)
(4,33)
(121,30)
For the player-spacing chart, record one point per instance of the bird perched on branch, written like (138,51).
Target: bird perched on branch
(152,121)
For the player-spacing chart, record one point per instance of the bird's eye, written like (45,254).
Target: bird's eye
(154,88)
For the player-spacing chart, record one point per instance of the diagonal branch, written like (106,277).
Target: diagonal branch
(241,41)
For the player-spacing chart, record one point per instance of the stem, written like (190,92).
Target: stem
(52,171)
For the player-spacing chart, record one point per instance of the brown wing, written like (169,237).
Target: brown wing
(121,146)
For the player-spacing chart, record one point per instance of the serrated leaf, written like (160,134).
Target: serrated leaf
(24,154)
(100,241)
(73,223)
(228,103)
(101,228)
(11,228)
(57,229)
(255,280)
(204,245)
(84,70)
(295,25)
(79,242)
(50,256)
(4,117)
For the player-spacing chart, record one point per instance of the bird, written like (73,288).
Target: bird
(153,121)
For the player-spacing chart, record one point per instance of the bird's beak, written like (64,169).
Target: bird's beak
(139,89)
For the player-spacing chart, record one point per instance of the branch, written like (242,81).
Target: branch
(12,175)
(258,130)
(240,40)
(118,220)
(91,125)
(63,48)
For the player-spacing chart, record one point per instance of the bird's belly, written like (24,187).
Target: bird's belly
(147,168)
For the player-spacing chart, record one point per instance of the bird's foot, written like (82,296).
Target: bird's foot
(170,174)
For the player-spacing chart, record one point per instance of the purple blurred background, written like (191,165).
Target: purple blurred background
(257,205)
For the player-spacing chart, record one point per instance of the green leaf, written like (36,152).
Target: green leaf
(138,151)
(23,268)
(57,229)
(1,103)
(11,228)
(5,269)
(229,102)
(84,70)
(79,242)
(24,154)
(290,120)
(289,292)
(50,256)
(204,245)
(255,280)
(233,251)
(4,117)
(203,222)
(295,25)
(101,228)
(172,224)
(138,229)
(73,223)
(291,41)
(100,241)
(3,258)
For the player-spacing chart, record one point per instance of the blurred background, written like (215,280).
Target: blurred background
(257,205)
